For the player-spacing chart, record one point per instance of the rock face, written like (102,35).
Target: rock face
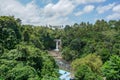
(60,61)
(63,65)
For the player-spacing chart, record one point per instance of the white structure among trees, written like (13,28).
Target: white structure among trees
(58,44)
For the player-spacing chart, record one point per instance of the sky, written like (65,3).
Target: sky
(60,12)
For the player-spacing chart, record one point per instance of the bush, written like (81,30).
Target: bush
(84,72)
(111,68)
(69,55)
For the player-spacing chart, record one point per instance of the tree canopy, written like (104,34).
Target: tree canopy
(93,50)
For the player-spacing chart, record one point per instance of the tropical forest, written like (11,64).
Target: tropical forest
(92,50)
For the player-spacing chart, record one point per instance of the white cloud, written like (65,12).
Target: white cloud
(32,14)
(103,9)
(52,13)
(115,14)
(63,7)
(28,13)
(117,8)
(57,13)
(86,9)
(87,1)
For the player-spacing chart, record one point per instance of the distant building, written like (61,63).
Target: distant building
(56,27)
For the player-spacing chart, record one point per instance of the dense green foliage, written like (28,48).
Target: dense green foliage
(87,68)
(111,68)
(91,45)
(9,32)
(91,60)
(90,48)
(101,38)
(21,53)
(84,72)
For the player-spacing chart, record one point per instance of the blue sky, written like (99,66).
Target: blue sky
(60,12)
